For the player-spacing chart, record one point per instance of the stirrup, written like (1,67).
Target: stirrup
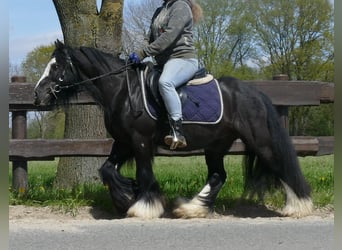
(175,138)
(175,142)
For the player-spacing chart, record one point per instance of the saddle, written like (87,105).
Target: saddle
(151,78)
(200,97)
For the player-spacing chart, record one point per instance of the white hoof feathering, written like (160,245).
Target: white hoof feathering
(194,208)
(296,207)
(146,210)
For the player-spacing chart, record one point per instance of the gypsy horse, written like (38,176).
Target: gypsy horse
(248,114)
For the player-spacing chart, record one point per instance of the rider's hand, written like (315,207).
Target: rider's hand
(134,58)
(137,57)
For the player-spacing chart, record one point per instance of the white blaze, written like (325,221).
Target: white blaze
(46,71)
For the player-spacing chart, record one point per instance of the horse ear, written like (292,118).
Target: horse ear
(59,44)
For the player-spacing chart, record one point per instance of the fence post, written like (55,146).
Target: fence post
(283,111)
(19,125)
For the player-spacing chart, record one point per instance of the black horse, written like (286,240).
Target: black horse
(248,114)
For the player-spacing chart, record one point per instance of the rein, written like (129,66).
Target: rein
(58,88)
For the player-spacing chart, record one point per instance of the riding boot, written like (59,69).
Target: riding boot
(175,138)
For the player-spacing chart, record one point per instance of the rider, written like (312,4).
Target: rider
(171,44)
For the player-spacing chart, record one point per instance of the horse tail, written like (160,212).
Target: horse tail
(268,166)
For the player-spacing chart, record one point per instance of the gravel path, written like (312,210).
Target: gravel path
(245,228)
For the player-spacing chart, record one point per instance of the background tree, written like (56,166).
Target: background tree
(257,40)
(224,37)
(84,25)
(137,16)
(46,125)
(295,37)
(35,62)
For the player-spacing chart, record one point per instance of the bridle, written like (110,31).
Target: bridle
(60,84)
(59,87)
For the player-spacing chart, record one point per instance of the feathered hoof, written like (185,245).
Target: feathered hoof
(146,209)
(190,209)
(298,208)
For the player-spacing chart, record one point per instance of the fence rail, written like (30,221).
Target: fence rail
(283,94)
(48,149)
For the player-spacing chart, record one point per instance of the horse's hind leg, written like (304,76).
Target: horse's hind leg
(276,160)
(287,171)
(203,203)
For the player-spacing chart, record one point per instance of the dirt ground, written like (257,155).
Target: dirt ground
(31,215)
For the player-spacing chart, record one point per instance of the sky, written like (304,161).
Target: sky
(32,23)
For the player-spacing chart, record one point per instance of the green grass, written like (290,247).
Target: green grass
(178,176)
(319,172)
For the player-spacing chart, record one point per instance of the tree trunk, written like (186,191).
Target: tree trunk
(83,25)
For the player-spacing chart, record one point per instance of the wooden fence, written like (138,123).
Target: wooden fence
(282,92)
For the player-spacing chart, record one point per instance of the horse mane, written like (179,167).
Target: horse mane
(102,61)
(89,58)
(89,62)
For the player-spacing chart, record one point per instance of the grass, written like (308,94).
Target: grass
(178,176)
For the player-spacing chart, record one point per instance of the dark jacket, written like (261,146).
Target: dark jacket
(171,32)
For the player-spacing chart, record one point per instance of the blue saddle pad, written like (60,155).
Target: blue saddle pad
(200,103)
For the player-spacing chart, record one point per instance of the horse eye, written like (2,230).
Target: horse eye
(54,66)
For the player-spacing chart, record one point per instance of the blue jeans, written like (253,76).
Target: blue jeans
(176,72)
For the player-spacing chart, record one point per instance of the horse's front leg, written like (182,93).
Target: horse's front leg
(123,190)
(149,203)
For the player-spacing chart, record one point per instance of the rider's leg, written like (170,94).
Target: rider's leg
(176,72)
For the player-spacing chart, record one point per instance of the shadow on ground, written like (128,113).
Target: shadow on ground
(241,209)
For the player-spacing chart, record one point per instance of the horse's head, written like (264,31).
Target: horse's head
(57,78)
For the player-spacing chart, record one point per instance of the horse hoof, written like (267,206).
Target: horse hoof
(298,208)
(190,209)
(146,209)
